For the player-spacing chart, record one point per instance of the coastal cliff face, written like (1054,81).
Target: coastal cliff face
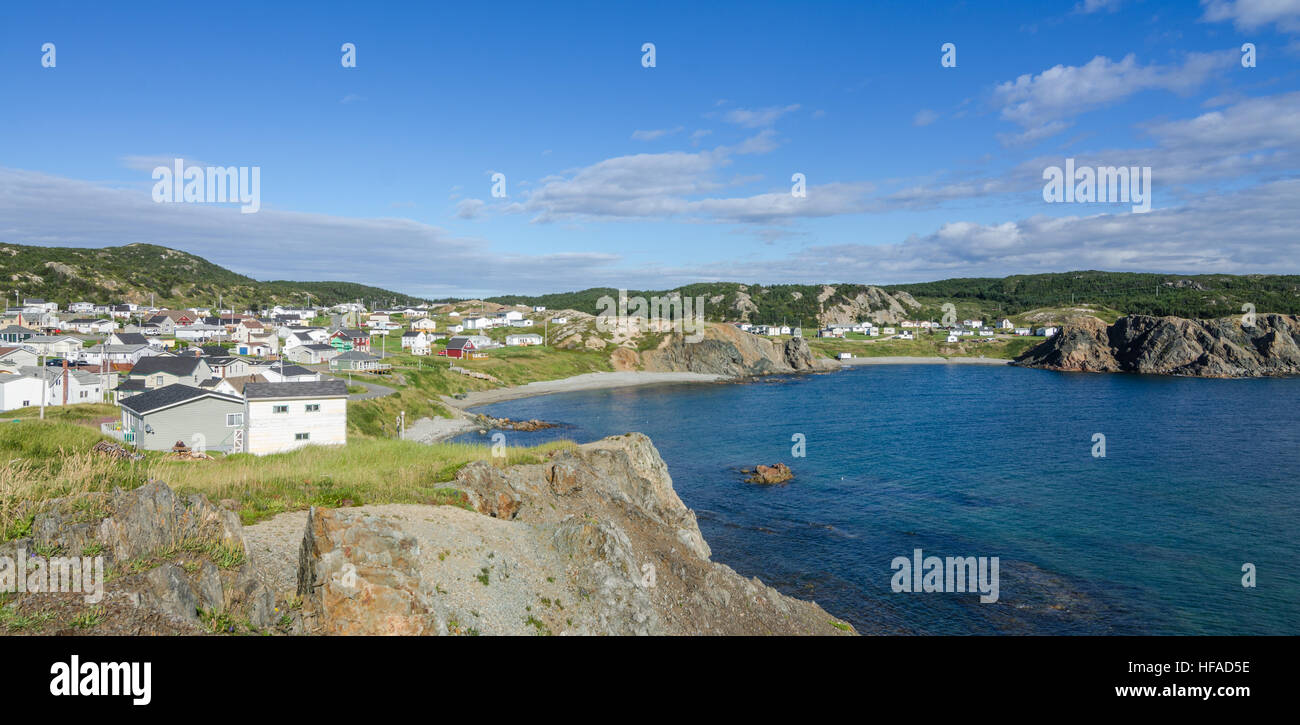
(1222,348)
(592,541)
(728,351)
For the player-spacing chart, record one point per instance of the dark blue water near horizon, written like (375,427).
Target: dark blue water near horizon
(1199,478)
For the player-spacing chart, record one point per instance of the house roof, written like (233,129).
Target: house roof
(318,348)
(170,395)
(239,382)
(167,364)
(352,332)
(313,389)
(132,338)
(412,333)
(355,355)
(293,370)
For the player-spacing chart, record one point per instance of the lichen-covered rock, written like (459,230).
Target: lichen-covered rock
(357,574)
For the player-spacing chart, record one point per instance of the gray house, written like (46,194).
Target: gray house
(202,419)
(162,370)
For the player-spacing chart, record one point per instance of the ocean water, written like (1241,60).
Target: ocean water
(1198,479)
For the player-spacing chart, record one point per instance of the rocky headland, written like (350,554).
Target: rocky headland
(1222,348)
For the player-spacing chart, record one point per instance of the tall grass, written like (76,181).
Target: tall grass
(43,460)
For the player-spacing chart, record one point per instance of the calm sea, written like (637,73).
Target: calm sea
(1198,479)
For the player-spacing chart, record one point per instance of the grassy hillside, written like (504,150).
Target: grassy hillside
(135,272)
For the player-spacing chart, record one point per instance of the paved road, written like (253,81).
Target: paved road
(372,390)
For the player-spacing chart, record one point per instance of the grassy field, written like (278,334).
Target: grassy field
(926,346)
(44,460)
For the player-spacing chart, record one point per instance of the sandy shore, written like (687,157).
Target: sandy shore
(429,430)
(900,360)
(587,381)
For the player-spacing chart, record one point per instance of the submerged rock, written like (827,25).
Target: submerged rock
(779,473)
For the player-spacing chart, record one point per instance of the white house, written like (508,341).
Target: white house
(414,339)
(521,323)
(115,354)
(81,387)
(952,337)
(81,308)
(564,320)
(1047,331)
(1021,331)
(1005,324)
(424,324)
(509,315)
(539,308)
(92,326)
(61,345)
(481,323)
(19,391)
(283,416)
(523,340)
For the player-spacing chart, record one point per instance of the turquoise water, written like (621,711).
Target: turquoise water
(1199,478)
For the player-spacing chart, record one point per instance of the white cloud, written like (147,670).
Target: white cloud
(924,117)
(469,208)
(1254,14)
(758,117)
(1043,104)
(1092,6)
(654,134)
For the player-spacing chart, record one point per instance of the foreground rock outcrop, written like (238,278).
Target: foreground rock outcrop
(594,541)
(172,564)
(590,541)
(1222,348)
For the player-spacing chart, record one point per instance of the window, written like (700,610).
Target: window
(158,380)
(234,420)
(313,407)
(26,403)
(280,409)
(301,436)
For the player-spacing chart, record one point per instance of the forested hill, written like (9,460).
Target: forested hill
(141,272)
(1194,296)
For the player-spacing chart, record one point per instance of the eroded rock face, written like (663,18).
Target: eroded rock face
(357,574)
(1223,348)
(728,351)
(161,550)
(630,554)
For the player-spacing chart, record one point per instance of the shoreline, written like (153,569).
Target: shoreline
(904,360)
(432,430)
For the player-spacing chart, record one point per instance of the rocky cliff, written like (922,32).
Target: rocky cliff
(1222,348)
(592,541)
(726,350)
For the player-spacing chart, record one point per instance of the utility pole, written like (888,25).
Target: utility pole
(45,385)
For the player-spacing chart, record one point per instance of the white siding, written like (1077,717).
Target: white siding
(271,432)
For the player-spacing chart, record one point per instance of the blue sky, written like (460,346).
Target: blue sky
(627,176)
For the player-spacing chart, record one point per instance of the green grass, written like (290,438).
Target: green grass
(43,460)
(83,414)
